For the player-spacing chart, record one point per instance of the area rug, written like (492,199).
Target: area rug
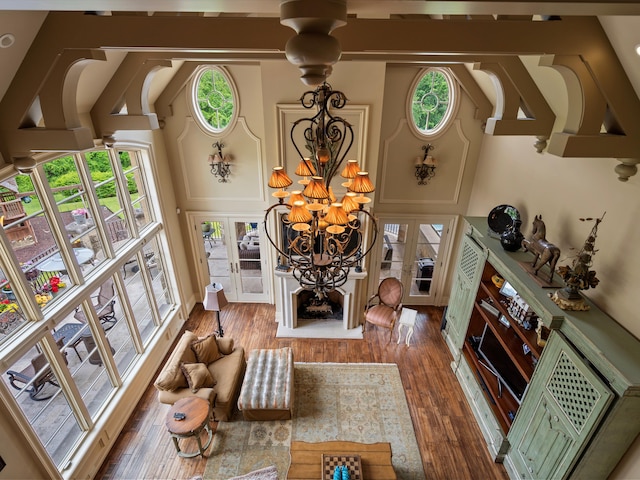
(333,401)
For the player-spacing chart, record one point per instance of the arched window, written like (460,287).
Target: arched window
(214,99)
(432,101)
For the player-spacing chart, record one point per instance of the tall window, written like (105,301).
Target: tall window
(83,288)
(214,99)
(432,101)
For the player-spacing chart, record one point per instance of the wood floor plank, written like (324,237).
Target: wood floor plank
(450,442)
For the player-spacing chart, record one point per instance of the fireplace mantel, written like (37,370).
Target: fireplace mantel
(287,299)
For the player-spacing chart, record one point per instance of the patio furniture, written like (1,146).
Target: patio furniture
(70,334)
(38,373)
(55,263)
(104,306)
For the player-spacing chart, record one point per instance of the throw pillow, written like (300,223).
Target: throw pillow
(170,379)
(206,349)
(197,375)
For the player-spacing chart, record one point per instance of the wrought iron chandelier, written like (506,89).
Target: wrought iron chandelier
(321,238)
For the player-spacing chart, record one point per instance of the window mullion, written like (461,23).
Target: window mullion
(66,382)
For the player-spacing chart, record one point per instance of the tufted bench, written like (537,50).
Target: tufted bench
(267,390)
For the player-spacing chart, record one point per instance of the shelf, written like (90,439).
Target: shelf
(511,341)
(500,405)
(527,336)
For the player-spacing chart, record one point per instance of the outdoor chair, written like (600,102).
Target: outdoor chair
(38,374)
(207,231)
(383,308)
(104,305)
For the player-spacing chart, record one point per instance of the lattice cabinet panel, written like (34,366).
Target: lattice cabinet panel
(467,278)
(549,434)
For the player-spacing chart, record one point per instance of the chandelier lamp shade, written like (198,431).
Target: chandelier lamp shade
(320,238)
(279,179)
(220,166)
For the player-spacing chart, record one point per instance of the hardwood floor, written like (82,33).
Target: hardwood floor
(450,441)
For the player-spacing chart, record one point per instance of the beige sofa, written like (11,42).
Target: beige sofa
(225,363)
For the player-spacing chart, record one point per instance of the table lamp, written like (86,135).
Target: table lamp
(215,300)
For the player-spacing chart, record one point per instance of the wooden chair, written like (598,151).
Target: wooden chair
(105,306)
(37,374)
(384,307)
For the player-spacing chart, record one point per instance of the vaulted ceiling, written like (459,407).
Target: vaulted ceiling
(43,108)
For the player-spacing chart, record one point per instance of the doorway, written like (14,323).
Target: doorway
(231,253)
(416,252)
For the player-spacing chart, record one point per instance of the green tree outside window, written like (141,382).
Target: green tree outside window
(215,102)
(431,101)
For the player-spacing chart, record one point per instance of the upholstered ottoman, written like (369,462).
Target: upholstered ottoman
(267,390)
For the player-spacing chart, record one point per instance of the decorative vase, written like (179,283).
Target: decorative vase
(511,238)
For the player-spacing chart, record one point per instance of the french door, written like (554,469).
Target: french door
(230,252)
(416,251)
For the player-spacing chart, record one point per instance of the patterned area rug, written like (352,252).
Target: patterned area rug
(333,401)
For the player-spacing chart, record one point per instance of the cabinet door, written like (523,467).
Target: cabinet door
(562,408)
(463,292)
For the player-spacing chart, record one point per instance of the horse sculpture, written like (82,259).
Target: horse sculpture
(544,251)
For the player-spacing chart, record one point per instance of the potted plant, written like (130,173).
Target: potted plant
(8,292)
(80,215)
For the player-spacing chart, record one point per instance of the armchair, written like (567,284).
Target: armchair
(35,376)
(104,306)
(384,307)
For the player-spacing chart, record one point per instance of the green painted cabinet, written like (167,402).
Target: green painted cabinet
(467,276)
(580,410)
(568,401)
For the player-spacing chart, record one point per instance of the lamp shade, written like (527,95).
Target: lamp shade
(316,189)
(336,215)
(362,183)
(348,202)
(214,298)
(350,170)
(296,196)
(279,178)
(305,168)
(298,213)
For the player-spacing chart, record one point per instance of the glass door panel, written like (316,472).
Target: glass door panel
(393,246)
(249,265)
(428,237)
(411,252)
(233,256)
(216,253)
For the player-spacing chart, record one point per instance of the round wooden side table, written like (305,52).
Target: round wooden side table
(197,413)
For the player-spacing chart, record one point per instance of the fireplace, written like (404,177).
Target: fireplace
(293,302)
(310,307)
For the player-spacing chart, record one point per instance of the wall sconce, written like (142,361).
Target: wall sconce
(220,163)
(425,166)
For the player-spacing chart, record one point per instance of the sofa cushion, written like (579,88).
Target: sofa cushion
(171,376)
(229,373)
(206,349)
(197,376)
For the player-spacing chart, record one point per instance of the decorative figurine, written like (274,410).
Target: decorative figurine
(579,276)
(544,251)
